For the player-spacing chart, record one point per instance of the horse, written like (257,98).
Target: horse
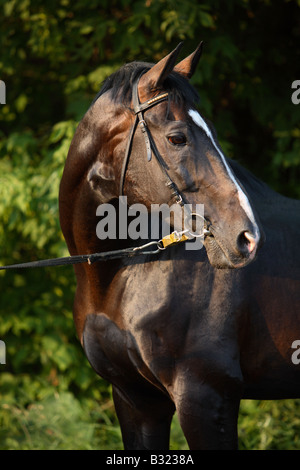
(191,331)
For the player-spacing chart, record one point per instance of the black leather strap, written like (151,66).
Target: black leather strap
(139,109)
(127,155)
(90,259)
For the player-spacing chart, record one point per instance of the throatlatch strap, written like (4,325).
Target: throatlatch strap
(127,155)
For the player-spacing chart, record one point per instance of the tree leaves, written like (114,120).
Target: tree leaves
(54,57)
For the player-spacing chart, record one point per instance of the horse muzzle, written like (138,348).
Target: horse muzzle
(236,254)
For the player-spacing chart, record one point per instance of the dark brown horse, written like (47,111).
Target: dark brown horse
(180,330)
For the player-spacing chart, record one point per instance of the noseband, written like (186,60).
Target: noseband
(138,110)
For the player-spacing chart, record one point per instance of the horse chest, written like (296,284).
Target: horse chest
(114,353)
(156,325)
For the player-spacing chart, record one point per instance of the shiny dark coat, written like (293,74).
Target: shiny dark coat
(182,329)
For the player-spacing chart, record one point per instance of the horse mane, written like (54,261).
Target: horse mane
(253,184)
(260,192)
(121,82)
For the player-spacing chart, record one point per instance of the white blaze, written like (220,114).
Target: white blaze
(245,204)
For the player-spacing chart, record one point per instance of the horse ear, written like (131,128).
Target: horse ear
(154,78)
(188,65)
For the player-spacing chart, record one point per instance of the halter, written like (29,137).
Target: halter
(138,110)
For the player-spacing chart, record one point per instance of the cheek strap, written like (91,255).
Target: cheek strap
(139,109)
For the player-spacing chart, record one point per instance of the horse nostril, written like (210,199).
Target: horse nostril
(246,242)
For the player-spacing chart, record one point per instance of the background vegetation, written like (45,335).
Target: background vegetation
(54,56)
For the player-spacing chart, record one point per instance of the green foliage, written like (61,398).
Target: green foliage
(269,425)
(54,57)
(58,422)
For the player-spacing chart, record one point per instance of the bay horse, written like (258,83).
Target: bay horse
(191,331)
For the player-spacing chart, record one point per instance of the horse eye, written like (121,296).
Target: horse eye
(178,139)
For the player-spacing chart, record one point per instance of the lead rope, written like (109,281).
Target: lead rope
(167,241)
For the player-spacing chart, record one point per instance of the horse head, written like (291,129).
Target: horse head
(186,148)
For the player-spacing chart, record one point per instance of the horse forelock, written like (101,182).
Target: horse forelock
(120,84)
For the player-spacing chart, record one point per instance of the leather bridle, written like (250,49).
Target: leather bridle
(173,238)
(138,109)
